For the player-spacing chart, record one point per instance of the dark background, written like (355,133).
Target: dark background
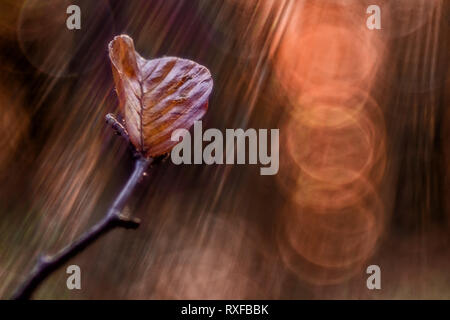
(220,231)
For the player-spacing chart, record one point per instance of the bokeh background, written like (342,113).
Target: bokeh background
(364,150)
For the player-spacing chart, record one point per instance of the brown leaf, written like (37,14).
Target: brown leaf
(157,96)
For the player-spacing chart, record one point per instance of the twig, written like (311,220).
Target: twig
(121,131)
(117,126)
(113,218)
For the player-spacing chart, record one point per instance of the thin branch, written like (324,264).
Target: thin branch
(117,126)
(120,130)
(113,218)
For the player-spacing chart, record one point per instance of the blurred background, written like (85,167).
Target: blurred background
(364,150)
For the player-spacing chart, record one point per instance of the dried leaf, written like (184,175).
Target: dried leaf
(157,96)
